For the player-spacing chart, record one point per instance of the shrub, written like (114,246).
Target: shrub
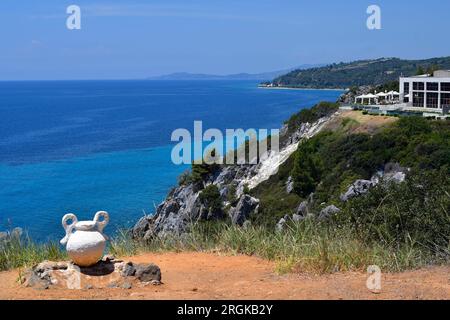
(320,110)
(307,168)
(416,210)
(210,197)
(201,171)
(231,195)
(322,162)
(246,189)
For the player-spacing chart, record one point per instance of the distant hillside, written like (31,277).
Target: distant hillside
(265,76)
(358,73)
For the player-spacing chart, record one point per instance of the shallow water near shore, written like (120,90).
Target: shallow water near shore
(85,146)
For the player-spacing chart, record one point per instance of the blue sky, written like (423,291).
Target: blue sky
(136,39)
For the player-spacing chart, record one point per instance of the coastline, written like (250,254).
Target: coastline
(140,161)
(301,89)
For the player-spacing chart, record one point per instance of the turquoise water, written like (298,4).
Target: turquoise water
(85,146)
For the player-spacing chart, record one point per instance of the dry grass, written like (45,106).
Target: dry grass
(357,122)
(306,246)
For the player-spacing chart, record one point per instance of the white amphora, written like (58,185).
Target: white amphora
(84,240)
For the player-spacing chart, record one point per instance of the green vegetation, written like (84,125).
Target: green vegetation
(22,251)
(430,69)
(308,168)
(324,163)
(231,196)
(399,221)
(320,110)
(359,73)
(305,246)
(210,196)
(415,212)
(246,190)
(390,86)
(275,203)
(200,171)
(395,226)
(420,71)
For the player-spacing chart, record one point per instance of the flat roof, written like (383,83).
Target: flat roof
(427,78)
(438,74)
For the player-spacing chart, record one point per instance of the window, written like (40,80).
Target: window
(445,100)
(445,86)
(406,87)
(432,86)
(419,86)
(432,100)
(418,99)
(405,92)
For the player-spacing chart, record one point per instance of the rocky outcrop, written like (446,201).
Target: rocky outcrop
(328,212)
(142,228)
(302,209)
(392,173)
(395,173)
(298,218)
(358,188)
(8,236)
(289,185)
(281,225)
(243,209)
(397,177)
(172,216)
(183,205)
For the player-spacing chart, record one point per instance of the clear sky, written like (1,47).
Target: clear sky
(136,38)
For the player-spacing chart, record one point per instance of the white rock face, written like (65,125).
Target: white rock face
(84,240)
(269,164)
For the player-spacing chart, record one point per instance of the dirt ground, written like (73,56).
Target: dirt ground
(364,123)
(212,276)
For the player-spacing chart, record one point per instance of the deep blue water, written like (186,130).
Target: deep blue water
(84,146)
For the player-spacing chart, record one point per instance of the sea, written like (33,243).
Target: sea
(84,146)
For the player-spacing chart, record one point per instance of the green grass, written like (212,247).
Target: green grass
(307,246)
(23,252)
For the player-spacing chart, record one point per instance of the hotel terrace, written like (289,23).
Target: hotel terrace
(426,94)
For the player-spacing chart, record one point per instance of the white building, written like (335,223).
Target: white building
(427,93)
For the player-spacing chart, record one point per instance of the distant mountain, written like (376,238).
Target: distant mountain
(358,73)
(266,76)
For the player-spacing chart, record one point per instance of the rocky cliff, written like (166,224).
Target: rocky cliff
(184,205)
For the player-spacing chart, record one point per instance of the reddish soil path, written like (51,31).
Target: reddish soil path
(211,276)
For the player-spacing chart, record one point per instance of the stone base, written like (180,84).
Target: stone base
(107,273)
